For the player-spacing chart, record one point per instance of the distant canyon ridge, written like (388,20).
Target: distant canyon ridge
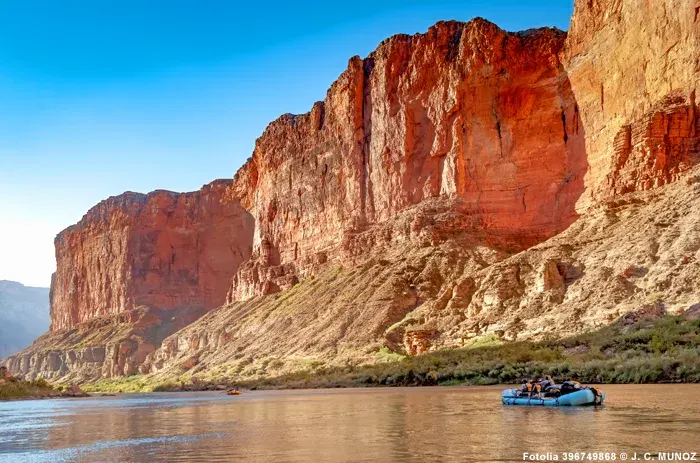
(459,184)
(24,315)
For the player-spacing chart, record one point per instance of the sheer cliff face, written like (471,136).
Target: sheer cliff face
(633,66)
(477,118)
(162,250)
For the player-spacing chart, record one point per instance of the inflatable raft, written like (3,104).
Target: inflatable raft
(588,396)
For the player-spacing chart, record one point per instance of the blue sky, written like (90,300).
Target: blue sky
(100,97)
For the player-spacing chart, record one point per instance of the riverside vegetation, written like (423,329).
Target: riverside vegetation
(13,388)
(666,349)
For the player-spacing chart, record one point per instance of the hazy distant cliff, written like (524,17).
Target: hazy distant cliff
(24,315)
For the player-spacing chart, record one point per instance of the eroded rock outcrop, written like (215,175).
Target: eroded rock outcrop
(104,347)
(633,107)
(134,270)
(407,299)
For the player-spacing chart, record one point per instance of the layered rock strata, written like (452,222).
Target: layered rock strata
(104,347)
(134,270)
(162,250)
(483,119)
(638,254)
(634,68)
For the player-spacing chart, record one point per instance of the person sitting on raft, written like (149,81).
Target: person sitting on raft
(569,386)
(525,386)
(531,387)
(546,383)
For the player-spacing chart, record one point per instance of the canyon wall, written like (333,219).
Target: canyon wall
(637,256)
(161,250)
(634,66)
(134,270)
(616,151)
(461,183)
(483,119)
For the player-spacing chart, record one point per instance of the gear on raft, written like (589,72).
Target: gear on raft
(546,392)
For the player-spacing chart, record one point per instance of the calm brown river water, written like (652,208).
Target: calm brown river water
(407,424)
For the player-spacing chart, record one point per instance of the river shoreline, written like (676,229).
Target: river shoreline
(663,350)
(47,397)
(13,389)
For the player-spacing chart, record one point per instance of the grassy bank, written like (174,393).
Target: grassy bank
(649,351)
(662,350)
(139,383)
(14,388)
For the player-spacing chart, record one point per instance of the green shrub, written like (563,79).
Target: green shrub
(14,388)
(40,382)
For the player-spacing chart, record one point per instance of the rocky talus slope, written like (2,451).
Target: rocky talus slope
(454,185)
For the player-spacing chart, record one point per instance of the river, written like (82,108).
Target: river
(379,424)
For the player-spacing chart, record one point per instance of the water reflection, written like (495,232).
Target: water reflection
(423,424)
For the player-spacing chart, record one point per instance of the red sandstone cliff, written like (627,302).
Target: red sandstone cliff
(482,119)
(135,269)
(161,250)
(425,147)
(635,71)
(455,184)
